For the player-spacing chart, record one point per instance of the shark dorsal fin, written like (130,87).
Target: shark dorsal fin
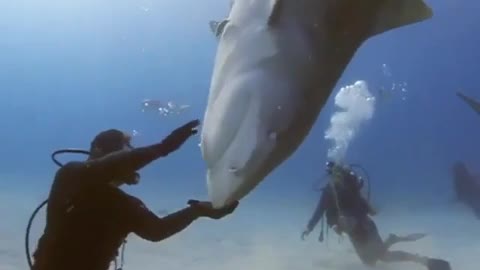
(217,27)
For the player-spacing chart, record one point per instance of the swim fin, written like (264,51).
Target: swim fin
(413,237)
(438,264)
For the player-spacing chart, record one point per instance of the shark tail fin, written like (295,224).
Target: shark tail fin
(397,13)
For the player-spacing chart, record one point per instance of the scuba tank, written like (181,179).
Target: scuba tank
(338,174)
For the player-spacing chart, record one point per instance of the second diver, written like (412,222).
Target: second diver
(347,211)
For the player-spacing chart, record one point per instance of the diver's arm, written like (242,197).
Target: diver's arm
(319,210)
(371,211)
(150,227)
(125,162)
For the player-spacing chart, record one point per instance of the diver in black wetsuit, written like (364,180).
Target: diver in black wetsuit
(89,216)
(467,188)
(348,212)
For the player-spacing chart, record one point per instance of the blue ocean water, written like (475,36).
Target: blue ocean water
(70,69)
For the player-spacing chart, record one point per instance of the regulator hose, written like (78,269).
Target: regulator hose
(41,205)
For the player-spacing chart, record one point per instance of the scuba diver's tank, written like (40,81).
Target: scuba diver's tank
(343,177)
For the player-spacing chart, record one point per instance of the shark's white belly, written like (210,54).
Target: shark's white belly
(259,88)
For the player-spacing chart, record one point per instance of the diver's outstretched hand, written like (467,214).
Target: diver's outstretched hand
(173,141)
(305,234)
(205,209)
(413,237)
(373,211)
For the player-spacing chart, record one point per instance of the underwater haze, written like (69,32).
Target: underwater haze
(70,69)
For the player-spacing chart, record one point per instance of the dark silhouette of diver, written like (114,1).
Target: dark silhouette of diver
(347,211)
(467,188)
(89,216)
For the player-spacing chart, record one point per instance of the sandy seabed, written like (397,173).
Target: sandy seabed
(267,237)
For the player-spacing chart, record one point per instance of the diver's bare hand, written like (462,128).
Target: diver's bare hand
(205,209)
(372,211)
(186,130)
(305,234)
(173,141)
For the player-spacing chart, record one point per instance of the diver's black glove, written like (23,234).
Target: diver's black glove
(205,209)
(173,141)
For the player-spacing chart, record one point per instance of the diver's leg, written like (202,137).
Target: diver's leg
(367,242)
(394,239)
(402,256)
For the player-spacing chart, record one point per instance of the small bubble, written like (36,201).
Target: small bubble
(163,108)
(386,70)
(272,136)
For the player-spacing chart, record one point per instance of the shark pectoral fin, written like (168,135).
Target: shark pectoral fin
(275,9)
(217,27)
(397,13)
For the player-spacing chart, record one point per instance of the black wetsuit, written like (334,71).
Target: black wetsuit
(364,234)
(361,229)
(88,218)
(350,201)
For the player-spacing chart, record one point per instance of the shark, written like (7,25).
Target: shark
(276,64)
